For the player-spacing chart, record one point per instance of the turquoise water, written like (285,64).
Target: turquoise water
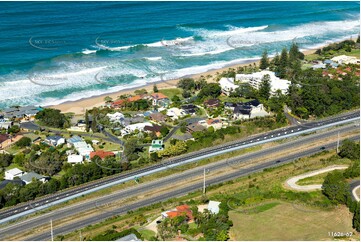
(60,51)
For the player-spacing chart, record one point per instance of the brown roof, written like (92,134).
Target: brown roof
(155,128)
(3,137)
(157,116)
(195,127)
(101,153)
(212,102)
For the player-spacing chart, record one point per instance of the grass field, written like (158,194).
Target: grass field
(284,222)
(318,179)
(171,92)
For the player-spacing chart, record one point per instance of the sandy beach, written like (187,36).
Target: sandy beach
(79,106)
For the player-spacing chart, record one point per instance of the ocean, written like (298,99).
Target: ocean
(52,52)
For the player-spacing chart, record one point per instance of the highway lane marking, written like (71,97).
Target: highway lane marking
(176,164)
(302,139)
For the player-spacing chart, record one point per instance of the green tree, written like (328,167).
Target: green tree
(23,142)
(5,159)
(210,90)
(264,63)
(350,149)
(265,87)
(186,94)
(87,126)
(176,100)
(336,188)
(108,99)
(164,131)
(155,88)
(52,117)
(19,159)
(356,215)
(283,63)
(187,84)
(14,129)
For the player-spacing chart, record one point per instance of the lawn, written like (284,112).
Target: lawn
(284,222)
(318,179)
(171,92)
(147,234)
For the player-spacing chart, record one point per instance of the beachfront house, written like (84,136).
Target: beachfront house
(227,85)
(12,173)
(344,59)
(160,100)
(255,80)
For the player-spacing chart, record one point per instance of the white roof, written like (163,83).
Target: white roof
(227,82)
(213,207)
(139,126)
(175,111)
(75,158)
(14,171)
(276,83)
(116,115)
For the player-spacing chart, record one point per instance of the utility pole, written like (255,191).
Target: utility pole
(51,230)
(204,181)
(80,237)
(338,141)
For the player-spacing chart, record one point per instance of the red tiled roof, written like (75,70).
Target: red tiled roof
(159,95)
(101,153)
(129,99)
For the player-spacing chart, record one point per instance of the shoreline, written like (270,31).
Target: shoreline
(78,107)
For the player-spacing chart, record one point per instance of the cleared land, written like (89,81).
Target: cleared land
(284,222)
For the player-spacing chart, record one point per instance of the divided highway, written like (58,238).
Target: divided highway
(182,191)
(72,210)
(62,196)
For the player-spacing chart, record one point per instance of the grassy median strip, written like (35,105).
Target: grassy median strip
(195,179)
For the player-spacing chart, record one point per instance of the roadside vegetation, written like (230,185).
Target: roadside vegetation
(251,199)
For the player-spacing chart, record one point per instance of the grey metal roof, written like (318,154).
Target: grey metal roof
(28,177)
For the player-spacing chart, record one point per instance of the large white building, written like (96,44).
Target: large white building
(227,85)
(344,59)
(255,80)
